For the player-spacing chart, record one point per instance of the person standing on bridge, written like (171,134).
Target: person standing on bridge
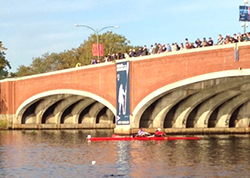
(78,64)
(93,61)
(198,43)
(210,42)
(220,40)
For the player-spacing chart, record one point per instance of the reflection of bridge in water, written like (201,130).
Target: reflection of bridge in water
(196,90)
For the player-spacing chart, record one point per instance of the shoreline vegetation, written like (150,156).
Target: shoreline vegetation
(3,124)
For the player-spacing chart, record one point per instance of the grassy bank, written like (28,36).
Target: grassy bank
(3,124)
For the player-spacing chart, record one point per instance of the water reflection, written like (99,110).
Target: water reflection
(69,154)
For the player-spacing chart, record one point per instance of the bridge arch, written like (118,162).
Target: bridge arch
(186,103)
(65,106)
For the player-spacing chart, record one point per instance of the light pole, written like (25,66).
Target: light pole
(245,24)
(96,33)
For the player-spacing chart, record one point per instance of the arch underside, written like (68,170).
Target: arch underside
(67,110)
(215,103)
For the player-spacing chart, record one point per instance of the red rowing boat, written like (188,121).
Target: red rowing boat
(140,138)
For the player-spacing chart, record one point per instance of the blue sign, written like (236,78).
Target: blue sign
(244,13)
(122,93)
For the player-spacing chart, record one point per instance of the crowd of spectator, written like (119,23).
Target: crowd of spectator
(162,48)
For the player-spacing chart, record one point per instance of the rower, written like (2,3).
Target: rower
(142,133)
(159,133)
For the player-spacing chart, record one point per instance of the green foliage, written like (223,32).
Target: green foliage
(3,62)
(24,71)
(3,124)
(112,43)
(3,73)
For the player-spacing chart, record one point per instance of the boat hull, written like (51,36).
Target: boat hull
(140,138)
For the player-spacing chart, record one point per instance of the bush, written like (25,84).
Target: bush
(3,124)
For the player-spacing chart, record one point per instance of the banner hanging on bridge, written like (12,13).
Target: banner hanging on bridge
(244,13)
(95,49)
(122,93)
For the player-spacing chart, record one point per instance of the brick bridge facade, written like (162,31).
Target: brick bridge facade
(199,90)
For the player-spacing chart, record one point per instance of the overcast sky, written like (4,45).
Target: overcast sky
(31,28)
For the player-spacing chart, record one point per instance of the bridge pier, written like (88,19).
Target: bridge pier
(122,130)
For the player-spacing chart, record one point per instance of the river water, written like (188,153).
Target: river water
(53,153)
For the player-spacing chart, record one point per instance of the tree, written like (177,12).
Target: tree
(3,62)
(112,43)
(24,71)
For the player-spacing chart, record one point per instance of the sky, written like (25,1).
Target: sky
(32,28)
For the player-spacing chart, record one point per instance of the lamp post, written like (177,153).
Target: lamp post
(96,33)
(245,24)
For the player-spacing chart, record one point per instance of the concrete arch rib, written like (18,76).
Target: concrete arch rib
(189,104)
(164,105)
(21,109)
(93,112)
(63,105)
(109,119)
(40,108)
(148,100)
(243,116)
(44,105)
(226,110)
(79,108)
(208,106)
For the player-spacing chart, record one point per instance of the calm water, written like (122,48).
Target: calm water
(67,154)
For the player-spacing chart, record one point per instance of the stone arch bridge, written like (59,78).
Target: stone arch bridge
(195,90)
